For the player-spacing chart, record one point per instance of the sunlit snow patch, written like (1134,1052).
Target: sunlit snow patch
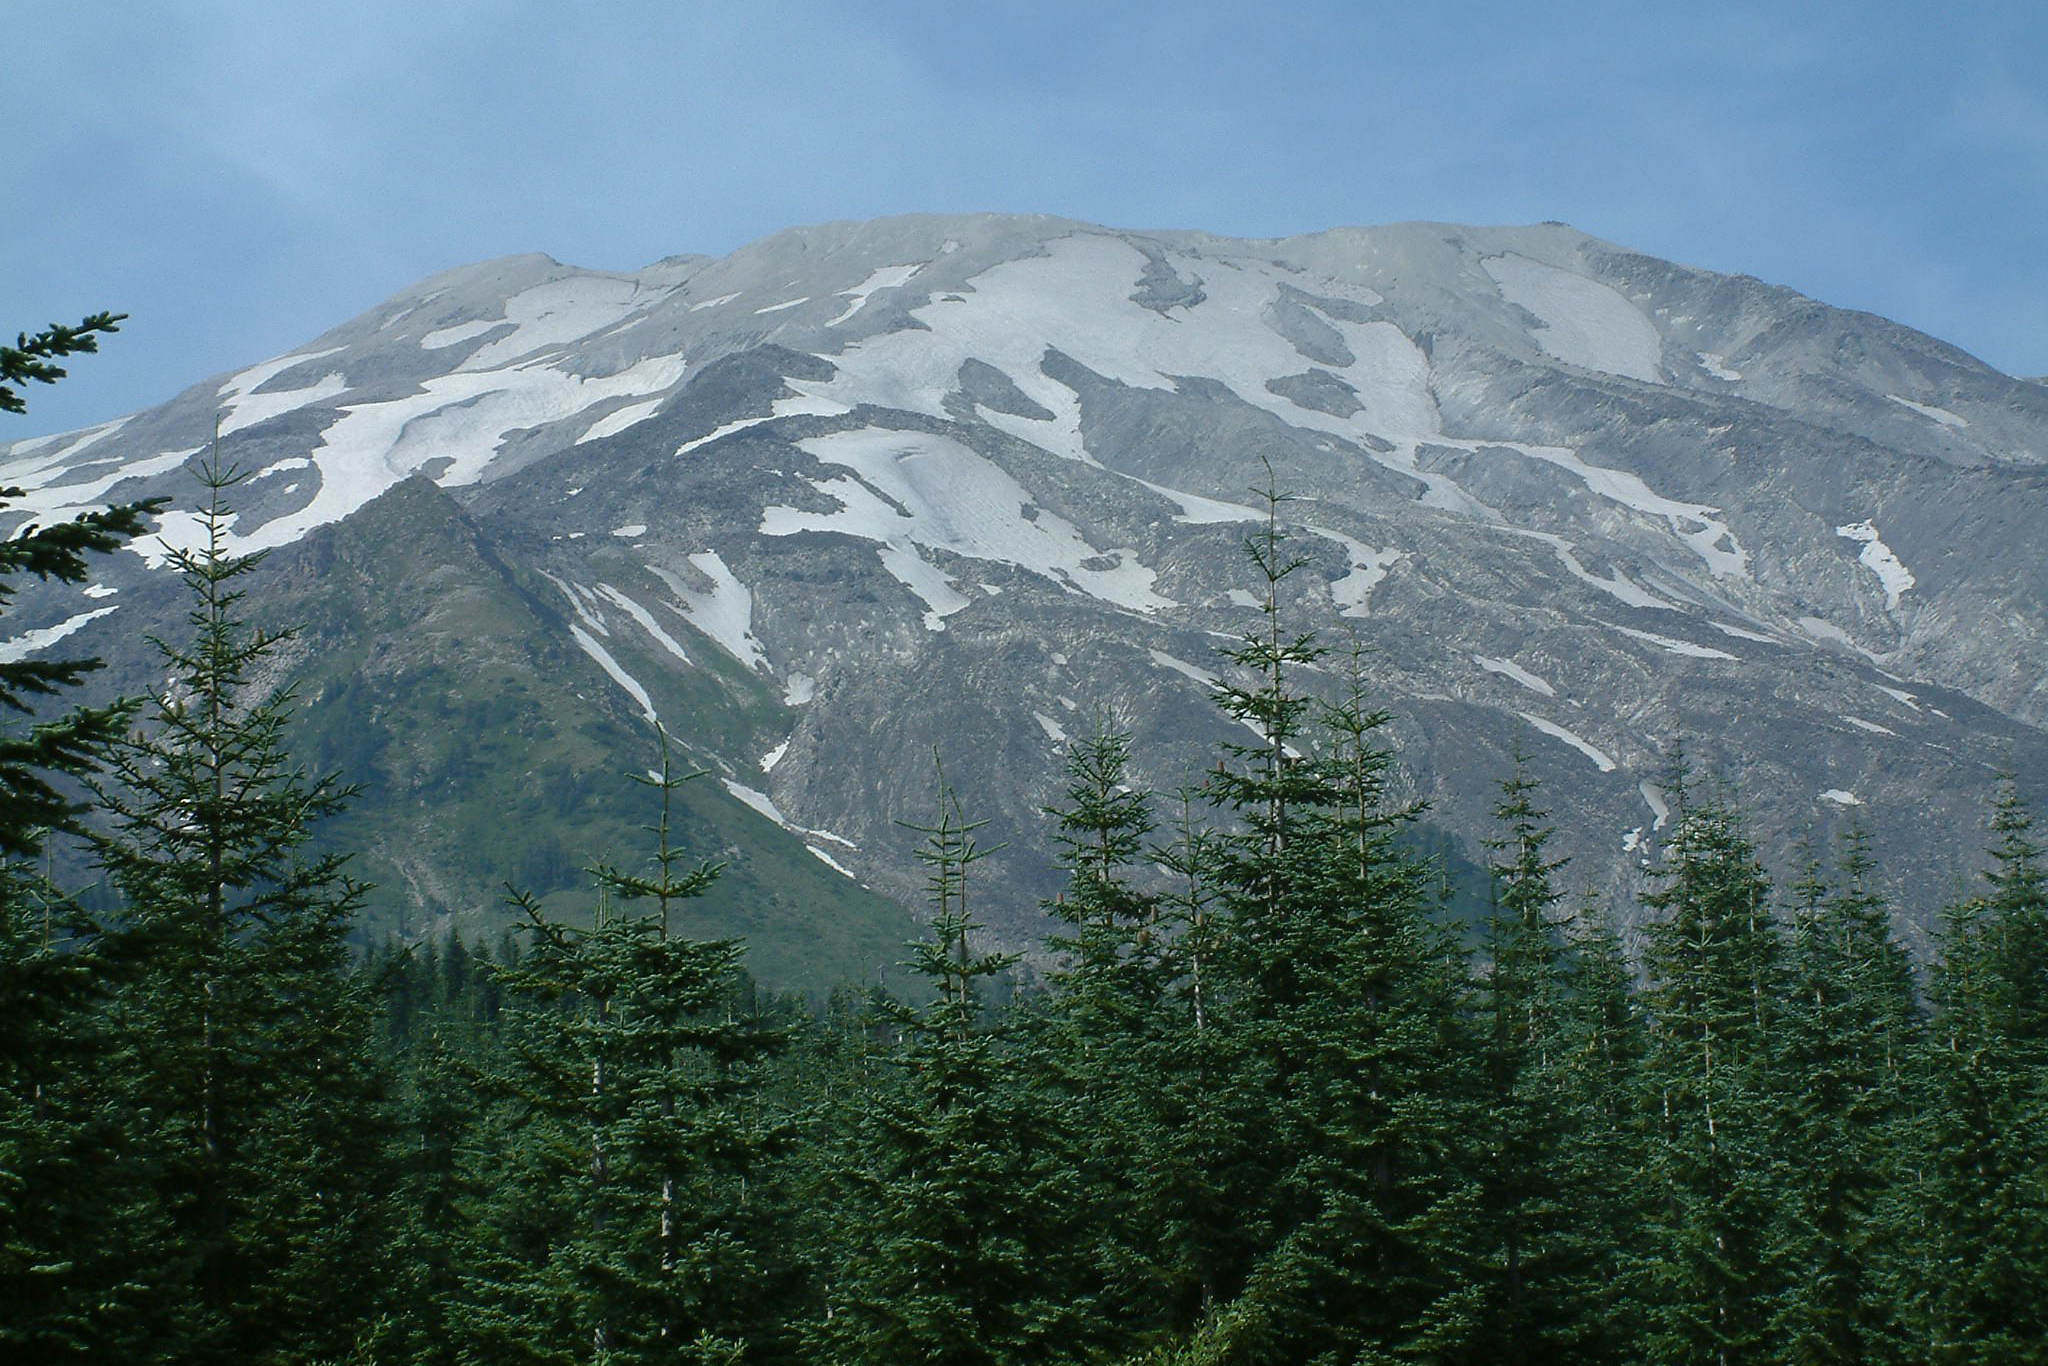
(612,667)
(1841,798)
(43,637)
(1928,410)
(1580,321)
(725,613)
(911,489)
(1676,647)
(1509,669)
(1599,756)
(888,277)
(1878,558)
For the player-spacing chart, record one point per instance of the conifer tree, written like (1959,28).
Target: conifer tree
(623,1231)
(953,1240)
(1345,1085)
(1851,1026)
(1103,1051)
(1602,1153)
(1714,1001)
(247,1036)
(1984,1137)
(1522,1041)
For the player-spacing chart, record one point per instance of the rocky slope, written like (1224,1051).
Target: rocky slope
(861,492)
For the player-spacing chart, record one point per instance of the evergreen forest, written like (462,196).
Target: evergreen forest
(1272,1103)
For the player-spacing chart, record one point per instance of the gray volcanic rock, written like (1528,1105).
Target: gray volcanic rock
(858,493)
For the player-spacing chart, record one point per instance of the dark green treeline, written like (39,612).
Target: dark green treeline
(1269,1106)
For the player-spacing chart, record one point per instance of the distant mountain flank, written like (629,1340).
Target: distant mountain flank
(863,491)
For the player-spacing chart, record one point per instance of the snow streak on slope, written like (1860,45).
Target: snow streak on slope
(953,499)
(1878,558)
(42,638)
(726,613)
(1599,756)
(455,428)
(1074,300)
(1581,322)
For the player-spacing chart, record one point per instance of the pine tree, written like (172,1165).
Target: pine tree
(1522,1038)
(952,1241)
(622,1230)
(1714,1003)
(1602,1156)
(247,1036)
(65,1277)
(1344,1086)
(1984,1138)
(1851,1026)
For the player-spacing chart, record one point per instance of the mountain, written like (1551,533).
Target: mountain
(862,493)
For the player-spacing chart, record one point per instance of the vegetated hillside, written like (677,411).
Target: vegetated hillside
(863,492)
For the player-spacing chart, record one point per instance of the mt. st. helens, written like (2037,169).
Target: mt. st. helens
(861,491)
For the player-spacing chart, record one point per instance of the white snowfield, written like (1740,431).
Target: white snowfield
(1601,759)
(1507,668)
(1877,557)
(1932,413)
(1580,321)
(914,489)
(725,612)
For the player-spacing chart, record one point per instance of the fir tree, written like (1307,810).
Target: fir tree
(953,1241)
(1984,1137)
(247,1037)
(1714,1001)
(1851,1026)
(1522,1039)
(623,1229)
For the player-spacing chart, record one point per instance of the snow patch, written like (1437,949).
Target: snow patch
(1599,756)
(618,674)
(1677,647)
(1054,731)
(1508,668)
(911,489)
(777,308)
(1368,566)
(612,423)
(712,303)
(248,410)
(646,621)
(461,332)
(798,690)
(774,757)
(888,277)
(726,613)
(1714,363)
(1841,797)
(1928,410)
(1871,726)
(834,864)
(556,313)
(43,637)
(1692,523)
(630,530)
(760,801)
(1580,321)
(1878,558)
(1896,694)
(1181,666)
(1653,797)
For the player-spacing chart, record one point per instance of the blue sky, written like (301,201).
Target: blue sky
(241,176)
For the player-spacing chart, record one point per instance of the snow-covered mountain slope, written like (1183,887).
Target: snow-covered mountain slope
(962,481)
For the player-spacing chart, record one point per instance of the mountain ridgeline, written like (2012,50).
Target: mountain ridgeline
(860,492)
